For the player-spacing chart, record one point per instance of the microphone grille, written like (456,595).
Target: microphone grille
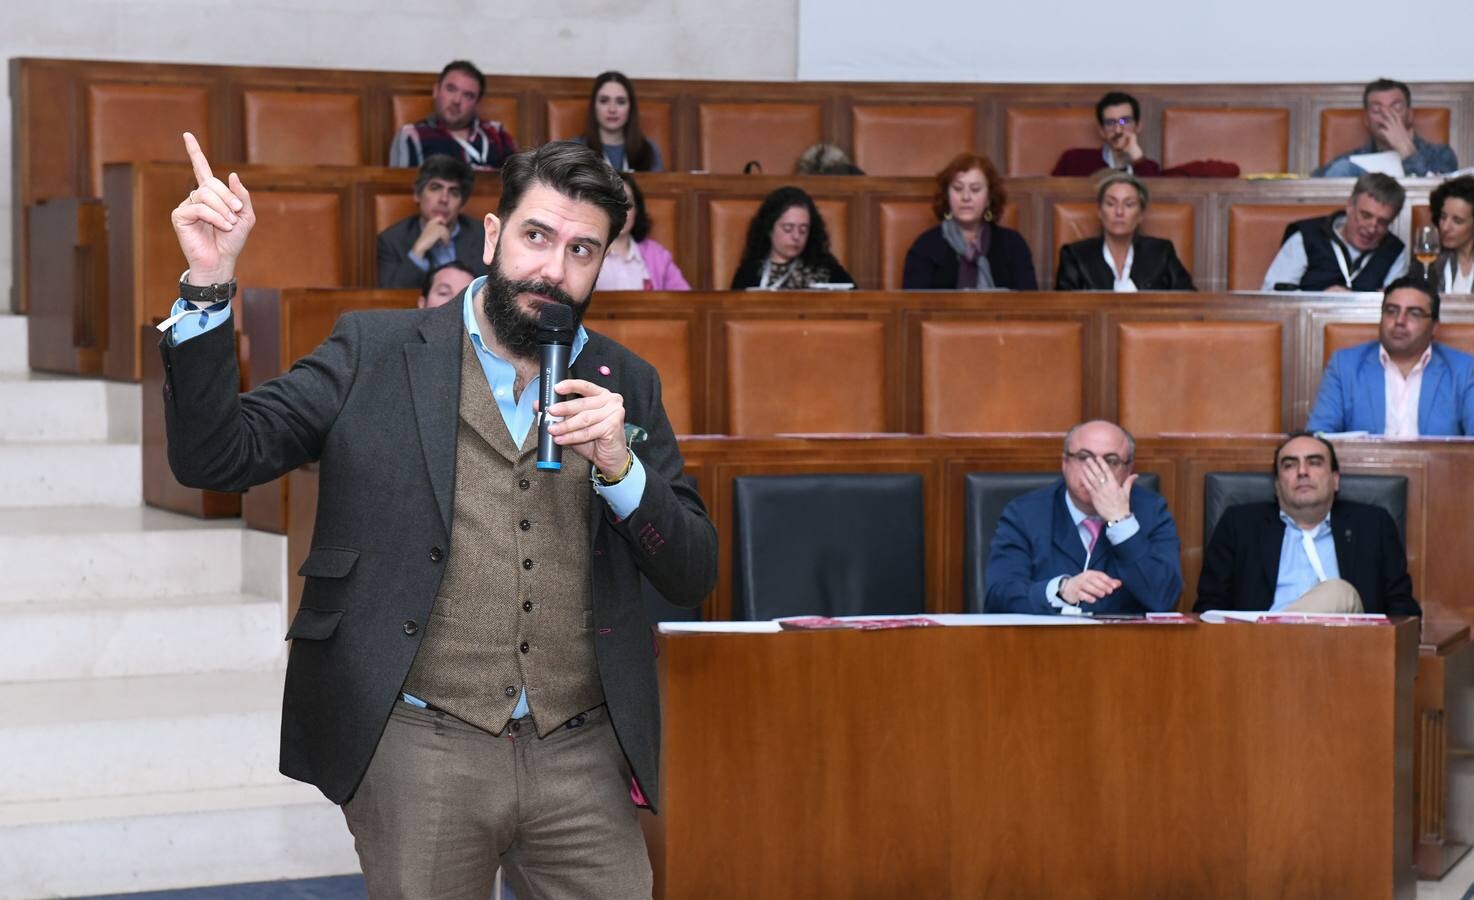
(555,317)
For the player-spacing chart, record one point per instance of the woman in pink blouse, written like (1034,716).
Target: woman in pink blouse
(635,261)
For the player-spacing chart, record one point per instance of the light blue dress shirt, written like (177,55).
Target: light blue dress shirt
(1296,574)
(517,411)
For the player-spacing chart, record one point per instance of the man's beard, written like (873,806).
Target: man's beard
(515,329)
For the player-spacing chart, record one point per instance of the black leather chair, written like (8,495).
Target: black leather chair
(831,545)
(985,496)
(1224,489)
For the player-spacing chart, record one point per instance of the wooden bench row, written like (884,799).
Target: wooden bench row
(107,272)
(72,117)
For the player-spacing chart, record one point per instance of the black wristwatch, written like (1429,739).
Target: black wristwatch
(205,295)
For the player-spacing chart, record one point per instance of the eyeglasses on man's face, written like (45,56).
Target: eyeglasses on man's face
(1084,456)
(1123,122)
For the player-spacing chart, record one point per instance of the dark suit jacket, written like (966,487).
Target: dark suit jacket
(1082,161)
(1037,541)
(931,263)
(376,406)
(1154,266)
(395,268)
(1241,563)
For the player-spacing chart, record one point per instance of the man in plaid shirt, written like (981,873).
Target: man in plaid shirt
(453,129)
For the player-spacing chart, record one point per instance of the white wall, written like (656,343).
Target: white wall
(753,40)
(1147,41)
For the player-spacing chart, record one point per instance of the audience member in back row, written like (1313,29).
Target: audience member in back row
(825,159)
(1452,205)
(1308,552)
(1122,258)
(438,233)
(613,126)
(453,128)
(1092,541)
(787,246)
(1387,110)
(636,261)
(1402,384)
(1343,251)
(969,250)
(445,283)
(1118,117)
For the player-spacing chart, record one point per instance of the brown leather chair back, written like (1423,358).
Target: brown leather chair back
(1214,377)
(774,134)
(1077,220)
(666,345)
(297,128)
(1255,232)
(996,376)
(408,108)
(1342,130)
(803,396)
(142,123)
(390,208)
(1257,139)
(665,223)
(728,230)
(911,139)
(297,241)
(901,221)
(1340,335)
(566,118)
(1036,136)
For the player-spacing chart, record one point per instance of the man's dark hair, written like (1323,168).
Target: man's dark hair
(1382,188)
(429,279)
(1116,98)
(446,168)
(641,229)
(465,67)
(1386,84)
(1420,284)
(573,170)
(760,229)
(1275,466)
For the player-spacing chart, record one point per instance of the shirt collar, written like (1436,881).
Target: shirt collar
(468,306)
(1321,530)
(1419,366)
(1075,512)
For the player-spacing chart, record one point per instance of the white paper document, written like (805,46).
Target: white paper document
(1388,162)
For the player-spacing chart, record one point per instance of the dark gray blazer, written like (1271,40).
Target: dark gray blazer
(376,406)
(395,268)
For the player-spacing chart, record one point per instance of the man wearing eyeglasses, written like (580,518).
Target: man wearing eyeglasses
(1402,384)
(1117,116)
(1091,542)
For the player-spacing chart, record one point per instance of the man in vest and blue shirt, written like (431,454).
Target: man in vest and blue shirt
(1350,251)
(1402,384)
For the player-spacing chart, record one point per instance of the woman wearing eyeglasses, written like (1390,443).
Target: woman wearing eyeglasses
(1121,259)
(1453,213)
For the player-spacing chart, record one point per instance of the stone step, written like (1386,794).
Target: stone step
(170,840)
(58,408)
(14,349)
(64,639)
(115,737)
(70,475)
(100,551)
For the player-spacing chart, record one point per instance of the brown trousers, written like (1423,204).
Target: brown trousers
(1331,596)
(444,803)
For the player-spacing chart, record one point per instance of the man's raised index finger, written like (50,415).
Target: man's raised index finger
(197,159)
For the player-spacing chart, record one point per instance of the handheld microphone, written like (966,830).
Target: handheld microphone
(554,344)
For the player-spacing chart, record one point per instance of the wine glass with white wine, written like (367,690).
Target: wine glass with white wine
(1426,246)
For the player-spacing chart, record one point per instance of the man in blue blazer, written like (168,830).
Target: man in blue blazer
(1402,384)
(1091,542)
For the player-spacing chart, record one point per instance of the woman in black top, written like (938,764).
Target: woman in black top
(788,246)
(969,250)
(1121,258)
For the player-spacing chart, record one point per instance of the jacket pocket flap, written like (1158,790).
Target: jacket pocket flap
(314,624)
(328,562)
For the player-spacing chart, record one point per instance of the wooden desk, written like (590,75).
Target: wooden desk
(1108,761)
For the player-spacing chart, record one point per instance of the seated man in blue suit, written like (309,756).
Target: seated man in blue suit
(1403,384)
(1092,541)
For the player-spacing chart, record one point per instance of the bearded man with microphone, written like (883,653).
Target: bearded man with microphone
(472,674)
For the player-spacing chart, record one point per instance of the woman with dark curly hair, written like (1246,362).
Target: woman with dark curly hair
(969,250)
(1453,212)
(636,261)
(788,246)
(613,126)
